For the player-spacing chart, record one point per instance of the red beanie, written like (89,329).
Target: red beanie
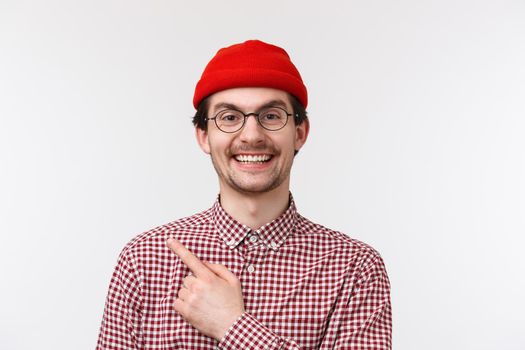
(251,64)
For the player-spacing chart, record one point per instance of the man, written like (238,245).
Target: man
(250,272)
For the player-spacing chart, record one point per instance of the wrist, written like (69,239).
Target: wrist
(222,333)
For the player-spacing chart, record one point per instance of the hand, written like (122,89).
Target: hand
(210,299)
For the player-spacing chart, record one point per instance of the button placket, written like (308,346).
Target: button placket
(253,266)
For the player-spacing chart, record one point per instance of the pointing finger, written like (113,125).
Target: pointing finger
(194,264)
(221,271)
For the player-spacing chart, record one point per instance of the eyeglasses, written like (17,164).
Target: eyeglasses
(232,120)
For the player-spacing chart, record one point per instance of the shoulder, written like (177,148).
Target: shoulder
(153,241)
(318,237)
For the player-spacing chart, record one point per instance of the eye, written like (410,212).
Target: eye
(230,116)
(272,115)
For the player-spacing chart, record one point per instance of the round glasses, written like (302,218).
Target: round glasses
(232,120)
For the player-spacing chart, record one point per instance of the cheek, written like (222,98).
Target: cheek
(219,145)
(291,143)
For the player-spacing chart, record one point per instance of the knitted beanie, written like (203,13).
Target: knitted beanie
(250,64)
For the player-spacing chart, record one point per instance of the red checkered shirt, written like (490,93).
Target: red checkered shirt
(304,287)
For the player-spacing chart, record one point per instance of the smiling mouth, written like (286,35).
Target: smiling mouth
(253,159)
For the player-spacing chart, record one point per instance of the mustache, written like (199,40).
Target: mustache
(252,149)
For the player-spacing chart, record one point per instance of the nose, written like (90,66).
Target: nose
(252,132)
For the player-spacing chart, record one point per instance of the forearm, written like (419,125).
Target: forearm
(362,320)
(248,333)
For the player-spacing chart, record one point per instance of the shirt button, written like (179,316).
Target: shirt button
(274,245)
(251,269)
(231,242)
(254,238)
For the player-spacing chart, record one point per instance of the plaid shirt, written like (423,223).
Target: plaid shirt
(304,287)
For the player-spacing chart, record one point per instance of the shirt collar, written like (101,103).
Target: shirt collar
(272,234)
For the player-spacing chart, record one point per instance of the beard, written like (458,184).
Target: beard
(243,182)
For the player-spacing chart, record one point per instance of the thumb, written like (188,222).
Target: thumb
(221,271)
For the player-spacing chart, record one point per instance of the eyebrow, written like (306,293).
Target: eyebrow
(272,103)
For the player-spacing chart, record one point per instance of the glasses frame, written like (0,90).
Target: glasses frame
(246,115)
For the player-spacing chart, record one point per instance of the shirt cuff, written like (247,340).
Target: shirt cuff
(248,333)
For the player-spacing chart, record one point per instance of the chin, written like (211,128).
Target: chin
(253,188)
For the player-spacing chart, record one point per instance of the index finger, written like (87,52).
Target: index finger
(195,265)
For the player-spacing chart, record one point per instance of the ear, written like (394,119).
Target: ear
(301,134)
(202,139)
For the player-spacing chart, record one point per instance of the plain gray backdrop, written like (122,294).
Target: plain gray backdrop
(416,147)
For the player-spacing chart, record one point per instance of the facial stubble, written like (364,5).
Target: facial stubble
(232,178)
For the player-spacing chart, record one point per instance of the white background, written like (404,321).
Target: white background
(417,110)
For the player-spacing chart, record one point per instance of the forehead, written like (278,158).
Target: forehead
(248,99)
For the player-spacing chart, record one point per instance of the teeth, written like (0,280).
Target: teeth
(253,159)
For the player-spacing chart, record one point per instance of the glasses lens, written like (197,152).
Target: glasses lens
(229,120)
(273,118)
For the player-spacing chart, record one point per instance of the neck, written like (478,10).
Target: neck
(255,209)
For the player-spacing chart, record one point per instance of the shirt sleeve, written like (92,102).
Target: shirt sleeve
(362,319)
(120,328)
(248,333)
